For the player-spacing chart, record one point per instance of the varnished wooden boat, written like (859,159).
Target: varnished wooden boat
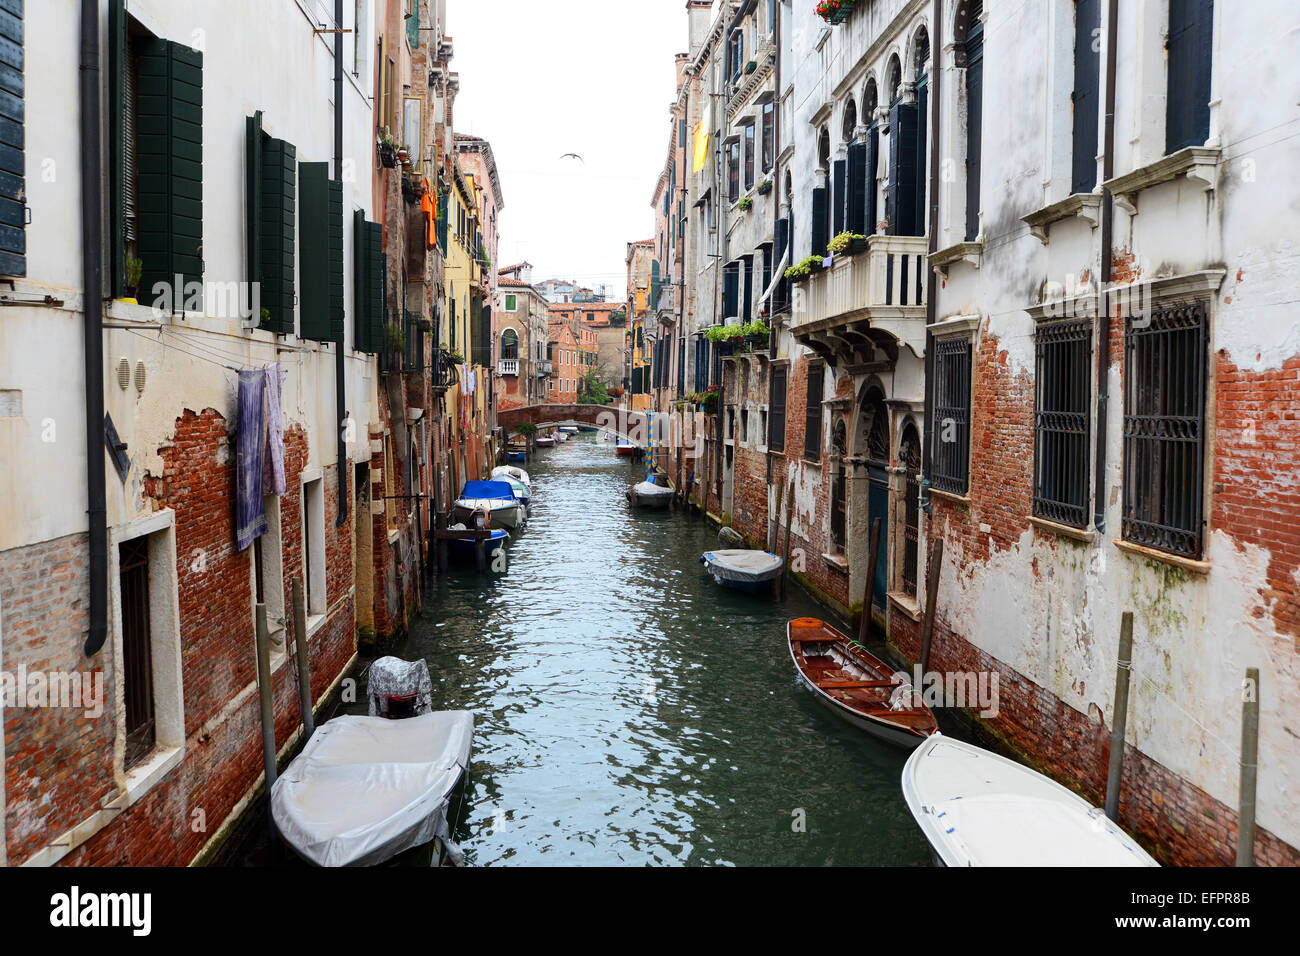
(855,684)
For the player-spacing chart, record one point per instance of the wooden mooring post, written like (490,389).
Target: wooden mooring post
(1249,768)
(931,603)
(789,509)
(869,592)
(303,661)
(1119,723)
(265,703)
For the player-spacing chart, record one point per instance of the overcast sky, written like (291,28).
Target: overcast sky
(539,79)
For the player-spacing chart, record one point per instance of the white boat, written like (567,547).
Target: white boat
(980,809)
(365,789)
(545,442)
(569,429)
(497,498)
(510,471)
(742,568)
(561,436)
(650,495)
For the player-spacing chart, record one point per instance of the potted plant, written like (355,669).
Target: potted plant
(387,151)
(710,402)
(725,337)
(757,334)
(456,357)
(847,242)
(802,270)
(266,317)
(765,187)
(403,155)
(426,324)
(746,203)
(134,269)
(836,11)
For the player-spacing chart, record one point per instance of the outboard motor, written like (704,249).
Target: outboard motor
(399,689)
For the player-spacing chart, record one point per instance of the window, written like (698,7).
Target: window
(313,544)
(733,171)
(776,416)
(1087,93)
(839,482)
(769,136)
(512,303)
(950,459)
(1062,421)
(268,569)
(137,650)
(737,55)
(812,450)
(909,457)
(510,344)
(973,48)
(749,157)
(1164,430)
(1191,49)
(13,240)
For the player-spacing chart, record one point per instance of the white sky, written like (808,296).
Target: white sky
(593,77)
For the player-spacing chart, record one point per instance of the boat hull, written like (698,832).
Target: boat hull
(624,450)
(467,550)
(508,517)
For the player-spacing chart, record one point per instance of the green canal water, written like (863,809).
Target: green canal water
(629,711)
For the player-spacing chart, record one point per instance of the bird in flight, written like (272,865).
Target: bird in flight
(574,156)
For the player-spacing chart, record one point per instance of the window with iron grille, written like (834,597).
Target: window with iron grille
(909,456)
(950,457)
(776,417)
(137,651)
(1164,430)
(812,448)
(1062,421)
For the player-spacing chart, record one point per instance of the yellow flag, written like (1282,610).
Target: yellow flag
(701,148)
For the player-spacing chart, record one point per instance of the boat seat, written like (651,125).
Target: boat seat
(854,684)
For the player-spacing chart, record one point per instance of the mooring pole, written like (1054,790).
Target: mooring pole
(869,592)
(1119,723)
(264,695)
(304,663)
(1249,768)
(931,603)
(774,525)
(789,508)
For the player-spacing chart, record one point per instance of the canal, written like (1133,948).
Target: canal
(630,711)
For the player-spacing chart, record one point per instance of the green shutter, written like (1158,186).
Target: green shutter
(13,161)
(253,197)
(314,265)
(279,169)
(368,288)
(117,66)
(334,190)
(169,173)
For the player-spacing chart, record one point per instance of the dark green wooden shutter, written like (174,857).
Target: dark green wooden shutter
(13,162)
(857,189)
(337,312)
(776,410)
(820,227)
(902,169)
(920,218)
(974,123)
(1191,52)
(869,182)
(840,194)
(731,291)
(117,67)
(747,287)
(313,276)
(253,197)
(442,222)
(812,449)
(169,156)
(368,310)
(1087,94)
(279,175)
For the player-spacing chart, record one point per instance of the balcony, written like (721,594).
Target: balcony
(546,367)
(508,367)
(874,299)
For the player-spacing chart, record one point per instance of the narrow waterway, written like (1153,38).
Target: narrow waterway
(630,711)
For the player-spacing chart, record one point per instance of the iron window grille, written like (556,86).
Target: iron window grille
(950,459)
(1164,430)
(1062,421)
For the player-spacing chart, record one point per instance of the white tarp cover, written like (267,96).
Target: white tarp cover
(510,471)
(649,490)
(394,677)
(365,789)
(743,565)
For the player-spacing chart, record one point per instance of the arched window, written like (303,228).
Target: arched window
(510,344)
(909,458)
(921,54)
(850,121)
(894,82)
(821,197)
(871,159)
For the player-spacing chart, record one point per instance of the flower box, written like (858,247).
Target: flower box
(836,11)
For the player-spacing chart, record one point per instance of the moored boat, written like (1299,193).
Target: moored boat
(742,568)
(510,471)
(516,454)
(624,448)
(495,498)
(977,808)
(569,429)
(545,442)
(466,549)
(648,494)
(856,685)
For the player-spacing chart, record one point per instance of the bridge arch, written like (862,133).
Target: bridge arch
(622,422)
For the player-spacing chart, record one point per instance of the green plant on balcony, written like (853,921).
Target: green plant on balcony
(394,340)
(804,268)
(456,356)
(757,334)
(746,203)
(765,187)
(836,11)
(720,334)
(134,269)
(849,242)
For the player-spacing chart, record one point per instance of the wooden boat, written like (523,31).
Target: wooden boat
(857,685)
(465,549)
(624,448)
(496,498)
(977,808)
(516,454)
(545,442)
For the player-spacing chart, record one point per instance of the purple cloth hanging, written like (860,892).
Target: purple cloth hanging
(273,464)
(250,441)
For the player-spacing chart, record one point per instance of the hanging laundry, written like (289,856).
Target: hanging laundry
(250,441)
(273,482)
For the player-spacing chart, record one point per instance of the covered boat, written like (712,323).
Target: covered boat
(650,495)
(496,498)
(523,494)
(365,789)
(980,809)
(569,429)
(856,685)
(742,568)
(501,472)
(545,442)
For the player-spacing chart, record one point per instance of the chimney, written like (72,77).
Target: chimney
(700,16)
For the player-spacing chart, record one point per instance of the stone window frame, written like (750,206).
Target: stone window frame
(969,327)
(312,515)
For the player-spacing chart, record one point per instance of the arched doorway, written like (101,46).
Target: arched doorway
(873,446)
(909,459)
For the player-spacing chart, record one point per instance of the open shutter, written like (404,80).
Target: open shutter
(253,197)
(747,277)
(169,157)
(920,220)
(731,291)
(1086,96)
(780,245)
(315,251)
(334,190)
(840,172)
(812,449)
(1191,51)
(776,410)
(13,161)
(279,185)
(974,124)
(869,184)
(368,298)
(117,145)
(857,189)
(902,169)
(820,226)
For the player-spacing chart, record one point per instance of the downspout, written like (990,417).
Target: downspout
(932,277)
(340,372)
(92,264)
(1107,239)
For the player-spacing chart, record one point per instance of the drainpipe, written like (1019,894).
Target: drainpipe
(92,264)
(1107,240)
(340,371)
(932,278)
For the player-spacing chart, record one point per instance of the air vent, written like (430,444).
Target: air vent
(123,373)
(139,376)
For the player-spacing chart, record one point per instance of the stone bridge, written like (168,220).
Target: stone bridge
(623,422)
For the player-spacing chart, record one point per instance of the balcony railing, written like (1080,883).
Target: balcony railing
(864,300)
(546,367)
(508,367)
